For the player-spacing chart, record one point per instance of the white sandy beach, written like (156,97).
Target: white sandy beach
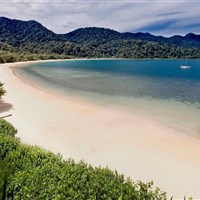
(135,145)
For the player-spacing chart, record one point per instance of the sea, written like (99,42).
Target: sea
(158,89)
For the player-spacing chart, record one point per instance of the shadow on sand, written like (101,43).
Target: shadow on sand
(5,107)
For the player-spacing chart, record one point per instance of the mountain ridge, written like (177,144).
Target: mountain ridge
(189,40)
(29,40)
(15,32)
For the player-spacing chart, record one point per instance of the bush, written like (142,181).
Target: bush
(33,173)
(7,129)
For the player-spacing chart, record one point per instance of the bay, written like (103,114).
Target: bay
(159,89)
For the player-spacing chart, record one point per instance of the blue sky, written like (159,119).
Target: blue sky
(166,17)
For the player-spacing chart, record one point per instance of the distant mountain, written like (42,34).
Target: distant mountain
(92,36)
(187,41)
(29,40)
(17,32)
(101,35)
(144,36)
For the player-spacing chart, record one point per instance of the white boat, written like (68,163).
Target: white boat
(185,67)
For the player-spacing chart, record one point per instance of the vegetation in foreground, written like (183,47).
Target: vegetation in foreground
(29,172)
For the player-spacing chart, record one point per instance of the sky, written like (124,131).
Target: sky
(159,17)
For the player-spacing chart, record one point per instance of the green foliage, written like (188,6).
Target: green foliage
(7,129)
(17,32)
(188,41)
(34,173)
(92,36)
(139,49)
(2,91)
(24,41)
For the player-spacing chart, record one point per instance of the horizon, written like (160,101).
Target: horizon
(160,18)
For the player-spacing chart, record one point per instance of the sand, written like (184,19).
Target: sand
(135,145)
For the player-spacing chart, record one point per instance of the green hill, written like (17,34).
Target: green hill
(17,32)
(190,40)
(29,40)
(92,36)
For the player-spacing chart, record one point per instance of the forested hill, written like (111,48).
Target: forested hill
(187,41)
(92,36)
(17,32)
(102,35)
(29,40)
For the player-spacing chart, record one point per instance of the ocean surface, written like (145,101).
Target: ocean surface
(159,89)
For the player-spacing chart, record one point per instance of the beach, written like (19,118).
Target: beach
(135,145)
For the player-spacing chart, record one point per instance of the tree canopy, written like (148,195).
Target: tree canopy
(29,40)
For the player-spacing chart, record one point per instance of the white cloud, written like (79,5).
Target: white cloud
(158,17)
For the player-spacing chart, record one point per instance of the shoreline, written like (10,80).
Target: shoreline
(137,147)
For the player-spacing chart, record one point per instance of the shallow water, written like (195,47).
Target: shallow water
(159,89)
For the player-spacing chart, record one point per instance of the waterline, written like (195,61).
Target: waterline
(158,89)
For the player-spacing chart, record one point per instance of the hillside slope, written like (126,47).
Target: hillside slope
(29,40)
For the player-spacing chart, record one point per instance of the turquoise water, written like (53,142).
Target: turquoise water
(158,88)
